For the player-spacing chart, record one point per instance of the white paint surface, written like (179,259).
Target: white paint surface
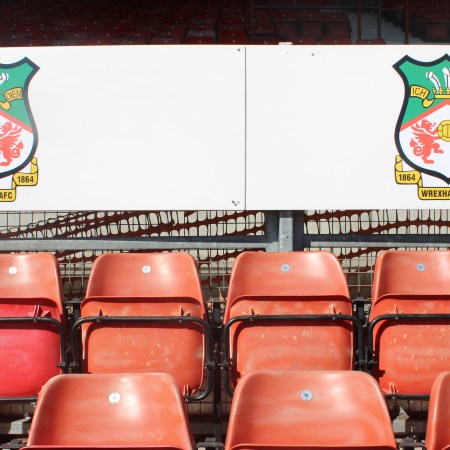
(217,127)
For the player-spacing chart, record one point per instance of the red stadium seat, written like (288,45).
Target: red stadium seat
(438,430)
(288,311)
(305,41)
(409,330)
(144,312)
(331,40)
(111,411)
(374,41)
(309,410)
(165,41)
(207,40)
(435,26)
(337,25)
(237,37)
(32,337)
(311,24)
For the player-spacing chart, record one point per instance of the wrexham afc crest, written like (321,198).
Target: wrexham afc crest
(18,134)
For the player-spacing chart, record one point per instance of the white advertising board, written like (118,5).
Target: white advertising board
(126,128)
(323,124)
(224,127)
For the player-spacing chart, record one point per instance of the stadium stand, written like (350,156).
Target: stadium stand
(55,423)
(143,22)
(288,311)
(145,313)
(409,321)
(279,410)
(32,324)
(111,411)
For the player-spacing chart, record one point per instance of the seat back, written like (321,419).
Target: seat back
(438,430)
(291,283)
(411,353)
(277,410)
(30,287)
(145,285)
(111,410)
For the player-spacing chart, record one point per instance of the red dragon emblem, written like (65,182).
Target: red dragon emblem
(424,140)
(10,142)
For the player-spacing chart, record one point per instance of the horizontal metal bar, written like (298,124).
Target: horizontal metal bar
(395,319)
(407,397)
(208,356)
(321,7)
(227,360)
(38,320)
(157,243)
(377,240)
(18,400)
(225,242)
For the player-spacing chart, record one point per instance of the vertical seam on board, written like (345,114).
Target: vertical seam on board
(245,128)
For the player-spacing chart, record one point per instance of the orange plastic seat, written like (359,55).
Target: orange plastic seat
(144,312)
(309,410)
(288,311)
(438,430)
(111,411)
(409,330)
(32,336)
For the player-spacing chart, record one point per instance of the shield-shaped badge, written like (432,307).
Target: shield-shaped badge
(18,133)
(422,134)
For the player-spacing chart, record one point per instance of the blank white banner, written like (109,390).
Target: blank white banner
(322,123)
(134,128)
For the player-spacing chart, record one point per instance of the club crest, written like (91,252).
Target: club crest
(18,133)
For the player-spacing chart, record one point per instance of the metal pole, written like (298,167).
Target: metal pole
(359,20)
(286,231)
(379,19)
(406,11)
(272,226)
(299,230)
(252,21)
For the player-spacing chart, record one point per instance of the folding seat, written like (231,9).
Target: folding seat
(207,40)
(165,41)
(311,24)
(265,40)
(201,34)
(172,31)
(233,37)
(409,329)
(374,41)
(435,26)
(309,410)
(229,40)
(285,24)
(337,25)
(231,22)
(32,335)
(305,41)
(438,430)
(331,40)
(288,311)
(144,312)
(111,411)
